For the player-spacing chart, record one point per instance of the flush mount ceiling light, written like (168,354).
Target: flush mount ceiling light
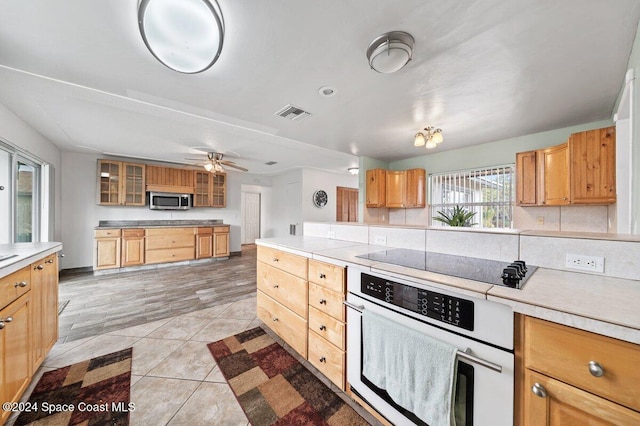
(431,138)
(353,170)
(185,35)
(390,52)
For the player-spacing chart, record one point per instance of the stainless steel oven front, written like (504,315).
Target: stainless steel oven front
(481,330)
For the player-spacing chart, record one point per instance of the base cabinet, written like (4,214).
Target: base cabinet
(132,247)
(44,307)
(221,241)
(107,248)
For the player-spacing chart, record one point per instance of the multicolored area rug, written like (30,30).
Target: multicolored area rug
(93,392)
(273,388)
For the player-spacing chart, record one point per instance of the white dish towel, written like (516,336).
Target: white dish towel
(417,371)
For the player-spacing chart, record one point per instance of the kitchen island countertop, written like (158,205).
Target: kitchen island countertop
(24,254)
(599,304)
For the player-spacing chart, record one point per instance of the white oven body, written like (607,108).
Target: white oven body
(493,396)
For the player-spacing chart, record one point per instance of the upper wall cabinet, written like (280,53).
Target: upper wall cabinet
(121,183)
(580,171)
(168,179)
(376,188)
(396,188)
(210,189)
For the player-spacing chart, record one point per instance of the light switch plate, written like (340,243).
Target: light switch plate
(380,240)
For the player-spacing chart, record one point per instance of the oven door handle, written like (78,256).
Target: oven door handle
(461,354)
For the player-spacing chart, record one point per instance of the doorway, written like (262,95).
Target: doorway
(346,204)
(250,217)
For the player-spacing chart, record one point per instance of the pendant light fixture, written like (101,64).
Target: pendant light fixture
(431,138)
(390,52)
(184,35)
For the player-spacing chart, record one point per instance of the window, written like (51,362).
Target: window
(486,192)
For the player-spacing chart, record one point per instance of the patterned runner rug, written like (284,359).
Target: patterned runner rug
(93,392)
(273,388)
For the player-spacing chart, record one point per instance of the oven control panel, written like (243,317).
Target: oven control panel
(441,307)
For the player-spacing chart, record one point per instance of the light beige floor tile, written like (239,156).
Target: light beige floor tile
(60,348)
(191,361)
(148,353)
(135,379)
(255,323)
(157,400)
(210,313)
(215,376)
(243,309)
(101,345)
(142,330)
(211,404)
(180,328)
(220,328)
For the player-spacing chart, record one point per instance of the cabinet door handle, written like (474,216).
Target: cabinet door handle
(39,267)
(596,369)
(49,261)
(323,302)
(323,328)
(3,321)
(275,259)
(322,275)
(21,284)
(323,359)
(275,319)
(539,390)
(275,286)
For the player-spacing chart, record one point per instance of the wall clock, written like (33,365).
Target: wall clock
(320,198)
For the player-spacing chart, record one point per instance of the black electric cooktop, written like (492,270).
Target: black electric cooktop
(488,271)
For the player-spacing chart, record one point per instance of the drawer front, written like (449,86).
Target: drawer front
(327,327)
(289,326)
(150,232)
(204,231)
(285,288)
(327,358)
(221,230)
(565,353)
(133,232)
(170,241)
(327,275)
(293,264)
(14,285)
(327,301)
(108,233)
(169,255)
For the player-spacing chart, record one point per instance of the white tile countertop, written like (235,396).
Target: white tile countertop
(25,254)
(600,304)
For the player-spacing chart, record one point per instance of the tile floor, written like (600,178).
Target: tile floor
(175,380)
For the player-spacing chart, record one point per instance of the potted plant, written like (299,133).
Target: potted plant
(457,216)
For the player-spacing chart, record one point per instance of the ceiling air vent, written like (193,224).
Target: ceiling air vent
(292,113)
(271,163)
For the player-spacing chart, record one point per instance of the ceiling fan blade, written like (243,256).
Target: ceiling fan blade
(234,165)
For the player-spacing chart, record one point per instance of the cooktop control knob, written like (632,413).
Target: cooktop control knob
(514,273)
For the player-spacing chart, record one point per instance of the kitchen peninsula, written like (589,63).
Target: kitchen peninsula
(28,313)
(144,243)
(584,317)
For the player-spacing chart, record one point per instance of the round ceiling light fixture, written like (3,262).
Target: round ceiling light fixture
(327,91)
(390,52)
(184,35)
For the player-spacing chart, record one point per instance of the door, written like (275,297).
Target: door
(346,204)
(250,217)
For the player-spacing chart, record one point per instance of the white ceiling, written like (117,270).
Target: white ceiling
(484,70)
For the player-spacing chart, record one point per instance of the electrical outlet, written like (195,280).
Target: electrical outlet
(540,220)
(582,262)
(380,240)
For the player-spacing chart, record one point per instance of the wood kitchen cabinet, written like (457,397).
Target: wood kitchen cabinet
(416,188)
(556,175)
(375,188)
(406,188)
(202,188)
(593,171)
(221,241)
(44,307)
(527,178)
(132,247)
(396,189)
(169,179)
(570,376)
(107,248)
(169,245)
(204,243)
(121,183)
(219,190)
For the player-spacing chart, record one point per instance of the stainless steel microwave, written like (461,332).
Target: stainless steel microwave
(169,201)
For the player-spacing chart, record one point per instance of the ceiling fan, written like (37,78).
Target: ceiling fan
(215,163)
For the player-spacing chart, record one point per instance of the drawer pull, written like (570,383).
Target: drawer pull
(39,267)
(49,261)
(275,286)
(21,284)
(323,302)
(539,390)
(323,328)
(275,319)
(3,321)
(596,369)
(275,259)
(322,275)
(323,359)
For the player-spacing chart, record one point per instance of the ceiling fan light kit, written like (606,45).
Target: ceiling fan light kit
(390,51)
(430,139)
(184,35)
